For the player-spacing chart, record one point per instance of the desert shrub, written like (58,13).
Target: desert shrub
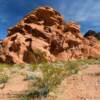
(39,55)
(53,74)
(3,78)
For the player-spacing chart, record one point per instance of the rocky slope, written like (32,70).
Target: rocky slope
(43,35)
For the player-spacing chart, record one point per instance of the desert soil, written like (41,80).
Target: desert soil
(14,87)
(83,86)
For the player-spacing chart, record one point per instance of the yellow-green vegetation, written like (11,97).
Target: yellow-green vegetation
(53,74)
(3,66)
(95,60)
(3,78)
(39,55)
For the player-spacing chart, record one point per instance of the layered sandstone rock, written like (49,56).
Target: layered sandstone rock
(43,35)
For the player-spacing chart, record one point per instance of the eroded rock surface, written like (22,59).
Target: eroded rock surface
(43,35)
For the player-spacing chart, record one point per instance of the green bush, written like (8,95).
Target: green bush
(3,78)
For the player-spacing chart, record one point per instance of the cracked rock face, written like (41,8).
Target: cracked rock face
(43,35)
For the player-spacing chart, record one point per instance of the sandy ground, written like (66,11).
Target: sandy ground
(15,86)
(84,86)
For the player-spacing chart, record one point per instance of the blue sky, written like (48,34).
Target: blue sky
(85,12)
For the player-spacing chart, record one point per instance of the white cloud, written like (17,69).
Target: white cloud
(81,10)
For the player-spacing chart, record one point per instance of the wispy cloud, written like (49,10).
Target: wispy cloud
(85,12)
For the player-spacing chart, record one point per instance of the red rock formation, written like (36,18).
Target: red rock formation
(43,35)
